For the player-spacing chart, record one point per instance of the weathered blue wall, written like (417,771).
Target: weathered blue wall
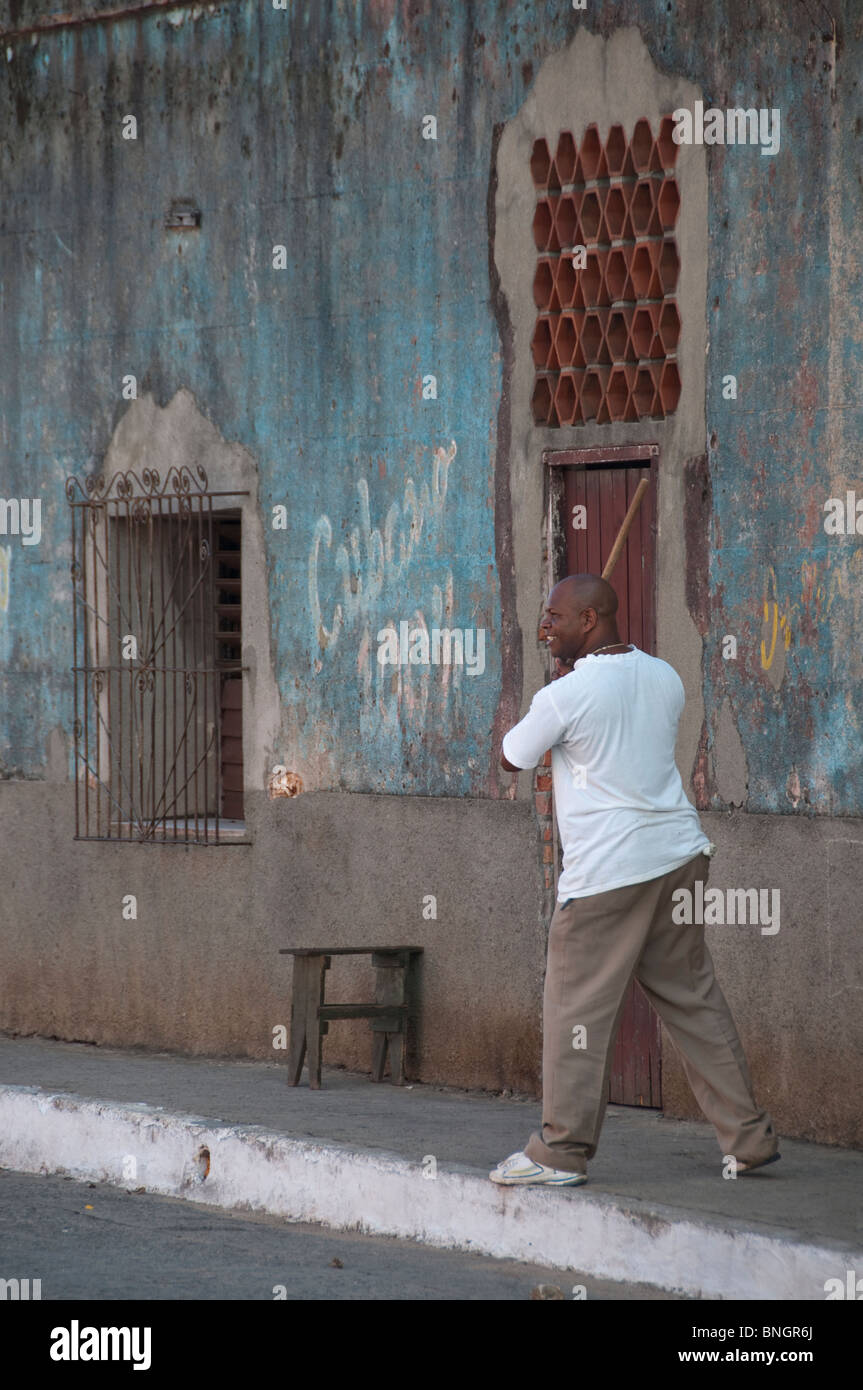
(784,316)
(302,128)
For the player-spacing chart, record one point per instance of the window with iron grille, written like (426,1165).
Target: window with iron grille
(157,634)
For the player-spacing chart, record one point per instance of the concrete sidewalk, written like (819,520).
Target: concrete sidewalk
(414,1163)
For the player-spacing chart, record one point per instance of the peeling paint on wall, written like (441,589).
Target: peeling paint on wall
(730,759)
(5,568)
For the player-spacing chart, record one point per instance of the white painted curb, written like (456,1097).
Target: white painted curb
(250,1168)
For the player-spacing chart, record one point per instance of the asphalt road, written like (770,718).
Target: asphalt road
(91,1241)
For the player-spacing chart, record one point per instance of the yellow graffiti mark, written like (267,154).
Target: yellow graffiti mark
(5,563)
(813,594)
(767,661)
(779,623)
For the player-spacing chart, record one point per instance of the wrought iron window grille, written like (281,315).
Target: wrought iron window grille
(156,578)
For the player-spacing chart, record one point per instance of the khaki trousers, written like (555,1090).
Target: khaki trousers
(595,946)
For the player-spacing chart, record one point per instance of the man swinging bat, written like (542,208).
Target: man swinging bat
(630,838)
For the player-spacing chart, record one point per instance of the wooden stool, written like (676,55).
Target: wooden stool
(310,1015)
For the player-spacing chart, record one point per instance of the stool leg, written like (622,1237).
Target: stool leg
(389,989)
(297,1053)
(397,1057)
(315,1027)
(379,1055)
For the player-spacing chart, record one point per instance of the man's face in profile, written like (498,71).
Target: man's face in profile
(563,629)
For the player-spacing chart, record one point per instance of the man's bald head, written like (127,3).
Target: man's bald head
(580,591)
(580,615)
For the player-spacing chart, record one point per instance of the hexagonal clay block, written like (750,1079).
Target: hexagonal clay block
(668,204)
(567,343)
(669,326)
(567,399)
(641,271)
(541,400)
(617,216)
(593,390)
(593,344)
(544,233)
(645,339)
(540,343)
(566,158)
(593,285)
(542,169)
(566,282)
(666,148)
(669,387)
(644,391)
(618,283)
(592,155)
(544,293)
(641,146)
(591,218)
(618,157)
(618,393)
(571,291)
(641,207)
(668,266)
(617,335)
(645,270)
(566,218)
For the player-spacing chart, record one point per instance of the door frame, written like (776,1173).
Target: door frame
(555,459)
(554,462)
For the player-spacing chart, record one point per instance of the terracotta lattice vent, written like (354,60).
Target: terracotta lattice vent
(605,341)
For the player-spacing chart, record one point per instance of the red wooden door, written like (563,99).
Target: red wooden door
(605,491)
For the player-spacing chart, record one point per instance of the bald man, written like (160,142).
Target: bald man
(631,839)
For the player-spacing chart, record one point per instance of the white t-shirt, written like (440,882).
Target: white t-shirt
(622,813)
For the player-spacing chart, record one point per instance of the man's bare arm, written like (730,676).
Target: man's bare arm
(561,668)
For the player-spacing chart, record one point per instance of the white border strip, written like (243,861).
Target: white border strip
(253,1169)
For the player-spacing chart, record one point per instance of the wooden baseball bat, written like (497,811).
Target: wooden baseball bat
(620,542)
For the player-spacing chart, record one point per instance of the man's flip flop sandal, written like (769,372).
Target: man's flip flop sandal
(750,1167)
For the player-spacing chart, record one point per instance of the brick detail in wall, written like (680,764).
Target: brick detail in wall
(605,342)
(544,813)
